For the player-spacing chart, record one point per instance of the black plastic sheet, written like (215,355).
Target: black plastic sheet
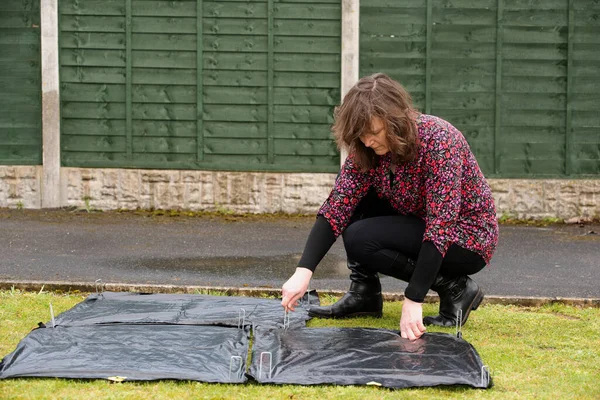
(361,356)
(182,309)
(132,352)
(132,336)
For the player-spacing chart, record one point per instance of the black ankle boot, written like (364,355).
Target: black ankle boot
(456,294)
(362,299)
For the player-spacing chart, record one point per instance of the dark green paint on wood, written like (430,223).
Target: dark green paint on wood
(200,84)
(518,77)
(20,83)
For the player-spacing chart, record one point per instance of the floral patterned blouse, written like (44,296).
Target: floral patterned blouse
(443,185)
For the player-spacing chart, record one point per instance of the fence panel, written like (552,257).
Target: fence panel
(517,77)
(236,85)
(20,83)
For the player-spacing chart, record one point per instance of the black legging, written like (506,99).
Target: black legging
(382,240)
(383,244)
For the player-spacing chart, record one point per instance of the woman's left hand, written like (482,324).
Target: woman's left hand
(411,321)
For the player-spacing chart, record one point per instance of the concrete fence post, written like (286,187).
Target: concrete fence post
(350,50)
(50,182)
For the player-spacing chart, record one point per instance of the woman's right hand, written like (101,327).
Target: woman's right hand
(295,287)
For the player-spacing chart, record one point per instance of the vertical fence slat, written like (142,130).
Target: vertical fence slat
(270,100)
(428,57)
(128,72)
(199,82)
(498,89)
(568,135)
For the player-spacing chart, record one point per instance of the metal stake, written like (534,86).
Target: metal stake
(100,284)
(286,319)
(241,318)
(231,365)
(260,365)
(485,376)
(459,324)
(52,316)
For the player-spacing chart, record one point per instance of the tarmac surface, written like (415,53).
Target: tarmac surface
(261,251)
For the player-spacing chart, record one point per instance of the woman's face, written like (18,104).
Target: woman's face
(377,140)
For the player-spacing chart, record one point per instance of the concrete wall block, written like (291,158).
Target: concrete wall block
(92,186)
(3,190)
(191,189)
(239,188)
(551,189)
(304,193)
(207,194)
(176,197)
(108,196)
(13,190)
(568,202)
(293,187)
(109,178)
(168,195)
(8,172)
(501,190)
(551,196)
(74,186)
(191,196)
(129,186)
(273,192)
(20,186)
(27,186)
(527,198)
(29,172)
(588,193)
(314,198)
(255,190)
(162,195)
(73,177)
(551,207)
(587,199)
(221,188)
(146,189)
(567,210)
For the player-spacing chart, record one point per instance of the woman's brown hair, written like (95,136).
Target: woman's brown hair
(379,96)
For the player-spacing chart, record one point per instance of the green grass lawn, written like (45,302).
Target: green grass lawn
(551,352)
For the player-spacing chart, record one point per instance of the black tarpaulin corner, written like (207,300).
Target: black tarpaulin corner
(363,356)
(132,352)
(183,309)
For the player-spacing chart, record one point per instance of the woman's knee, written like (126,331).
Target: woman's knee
(356,238)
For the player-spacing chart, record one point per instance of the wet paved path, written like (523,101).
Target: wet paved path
(561,261)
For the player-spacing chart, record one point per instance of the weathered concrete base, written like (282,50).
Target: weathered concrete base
(20,186)
(538,199)
(73,287)
(263,192)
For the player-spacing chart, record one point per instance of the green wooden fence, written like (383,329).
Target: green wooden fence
(520,78)
(233,85)
(251,85)
(20,83)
